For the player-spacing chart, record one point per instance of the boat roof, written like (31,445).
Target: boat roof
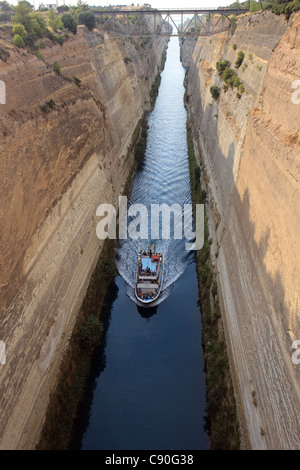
(147,262)
(147,278)
(149,287)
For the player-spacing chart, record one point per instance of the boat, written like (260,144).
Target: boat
(150,271)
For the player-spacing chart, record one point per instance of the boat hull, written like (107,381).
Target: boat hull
(149,279)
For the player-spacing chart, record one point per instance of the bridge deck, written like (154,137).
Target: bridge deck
(173,11)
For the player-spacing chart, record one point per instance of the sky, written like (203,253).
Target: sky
(153,3)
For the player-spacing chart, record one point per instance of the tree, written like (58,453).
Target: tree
(222,66)
(239,59)
(215,92)
(69,22)
(54,20)
(42,7)
(20,30)
(88,19)
(22,14)
(91,332)
(18,41)
(5,6)
(57,67)
(33,23)
(63,8)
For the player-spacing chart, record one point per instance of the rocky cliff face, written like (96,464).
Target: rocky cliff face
(250,147)
(63,152)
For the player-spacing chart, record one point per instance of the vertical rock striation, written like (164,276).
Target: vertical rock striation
(250,147)
(64,151)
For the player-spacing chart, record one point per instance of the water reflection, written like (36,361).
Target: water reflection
(147,312)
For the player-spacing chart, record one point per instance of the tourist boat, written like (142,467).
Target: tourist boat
(149,275)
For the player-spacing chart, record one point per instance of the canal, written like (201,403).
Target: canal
(147,385)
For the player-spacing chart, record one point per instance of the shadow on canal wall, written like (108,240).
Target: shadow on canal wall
(247,149)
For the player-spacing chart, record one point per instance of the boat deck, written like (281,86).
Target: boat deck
(149,276)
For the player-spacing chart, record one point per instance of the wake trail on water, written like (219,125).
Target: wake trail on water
(163,177)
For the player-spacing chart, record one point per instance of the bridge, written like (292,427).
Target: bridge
(185,22)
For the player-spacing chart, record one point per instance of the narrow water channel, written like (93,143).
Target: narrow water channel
(147,387)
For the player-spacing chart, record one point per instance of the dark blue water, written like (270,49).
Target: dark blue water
(147,387)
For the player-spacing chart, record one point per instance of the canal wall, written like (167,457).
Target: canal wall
(248,147)
(65,149)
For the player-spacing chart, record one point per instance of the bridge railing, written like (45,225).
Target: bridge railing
(162,22)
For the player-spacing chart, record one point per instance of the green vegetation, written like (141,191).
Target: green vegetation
(90,332)
(57,67)
(54,20)
(154,89)
(222,422)
(18,40)
(88,19)
(47,106)
(234,46)
(215,92)
(140,147)
(239,59)
(137,146)
(34,25)
(157,80)
(4,55)
(30,26)
(222,66)
(20,30)
(69,22)
(134,43)
(282,7)
(230,76)
(77,81)
(75,367)
(279,7)
(89,328)
(233,21)
(5,6)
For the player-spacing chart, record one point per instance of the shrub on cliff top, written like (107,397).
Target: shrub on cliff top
(22,14)
(33,23)
(18,41)
(5,6)
(282,7)
(54,20)
(20,30)
(69,22)
(88,19)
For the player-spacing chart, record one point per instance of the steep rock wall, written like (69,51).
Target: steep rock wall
(57,165)
(250,150)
